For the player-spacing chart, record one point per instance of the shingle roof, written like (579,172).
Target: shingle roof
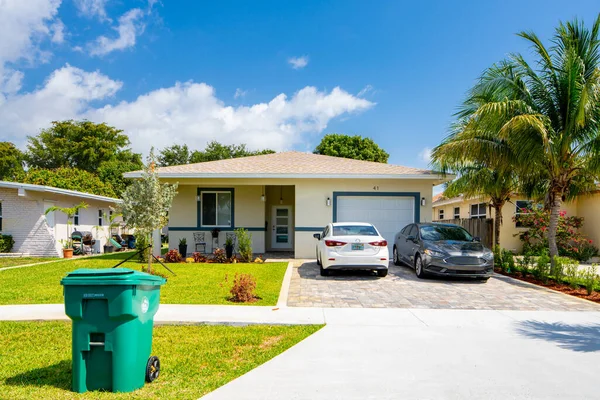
(292,164)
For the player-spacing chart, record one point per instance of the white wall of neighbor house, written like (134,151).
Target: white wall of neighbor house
(38,234)
(310,209)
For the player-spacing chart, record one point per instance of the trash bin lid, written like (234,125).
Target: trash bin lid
(111,276)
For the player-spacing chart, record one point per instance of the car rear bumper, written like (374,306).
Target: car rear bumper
(436,266)
(334,260)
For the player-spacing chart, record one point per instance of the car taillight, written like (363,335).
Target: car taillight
(379,243)
(334,243)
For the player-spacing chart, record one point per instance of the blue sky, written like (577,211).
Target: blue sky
(168,71)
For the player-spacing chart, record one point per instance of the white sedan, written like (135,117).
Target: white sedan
(351,245)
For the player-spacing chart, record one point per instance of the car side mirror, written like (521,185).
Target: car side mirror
(317,236)
(411,238)
(477,239)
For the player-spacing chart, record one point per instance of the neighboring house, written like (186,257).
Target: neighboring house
(460,208)
(22,209)
(285,198)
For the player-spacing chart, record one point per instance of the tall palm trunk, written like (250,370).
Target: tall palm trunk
(497,222)
(555,203)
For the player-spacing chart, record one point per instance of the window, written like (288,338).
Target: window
(456,212)
(354,230)
(445,232)
(478,210)
(0,216)
(216,208)
(76,218)
(413,231)
(100,218)
(522,206)
(441,214)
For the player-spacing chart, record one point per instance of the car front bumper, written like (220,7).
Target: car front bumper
(439,266)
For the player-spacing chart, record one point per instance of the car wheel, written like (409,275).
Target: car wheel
(382,273)
(318,261)
(396,259)
(323,271)
(419,271)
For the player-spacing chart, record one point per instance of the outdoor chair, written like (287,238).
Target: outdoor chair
(199,240)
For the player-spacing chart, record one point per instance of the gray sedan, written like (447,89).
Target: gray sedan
(442,249)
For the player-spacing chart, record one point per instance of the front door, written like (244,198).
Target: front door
(281,233)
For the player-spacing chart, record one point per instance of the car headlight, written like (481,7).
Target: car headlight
(434,253)
(488,256)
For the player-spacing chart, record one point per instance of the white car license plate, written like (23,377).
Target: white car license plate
(358,246)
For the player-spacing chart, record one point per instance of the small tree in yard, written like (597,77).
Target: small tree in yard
(146,203)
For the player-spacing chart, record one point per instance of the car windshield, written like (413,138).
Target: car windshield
(354,230)
(445,232)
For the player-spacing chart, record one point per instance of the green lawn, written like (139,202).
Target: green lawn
(14,261)
(194,283)
(195,359)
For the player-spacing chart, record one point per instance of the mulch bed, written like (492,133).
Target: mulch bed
(559,287)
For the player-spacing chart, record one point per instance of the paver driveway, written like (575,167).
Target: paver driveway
(402,289)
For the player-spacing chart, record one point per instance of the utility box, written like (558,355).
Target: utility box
(113,312)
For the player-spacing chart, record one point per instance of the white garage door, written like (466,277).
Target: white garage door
(389,214)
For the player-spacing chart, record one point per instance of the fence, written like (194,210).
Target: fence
(483,228)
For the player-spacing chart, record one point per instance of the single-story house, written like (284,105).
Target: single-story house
(284,198)
(22,215)
(447,209)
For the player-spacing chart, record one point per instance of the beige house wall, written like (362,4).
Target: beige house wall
(509,232)
(588,207)
(308,198)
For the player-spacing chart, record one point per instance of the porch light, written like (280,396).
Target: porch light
(281,195)
(197,198)
(328,202)
(422,201)
(262,197)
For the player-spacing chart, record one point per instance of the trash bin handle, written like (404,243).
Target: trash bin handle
(96,343)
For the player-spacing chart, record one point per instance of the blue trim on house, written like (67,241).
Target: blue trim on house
(309,229)
(199,207)
(208,229)
(416,195)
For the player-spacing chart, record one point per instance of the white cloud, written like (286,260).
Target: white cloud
(58,32)
(239,93)
(365,90)
(183,113)
(92,8)
(425,155)
(23,26)
(128,29)
(298,62)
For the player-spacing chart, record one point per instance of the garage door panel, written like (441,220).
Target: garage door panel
(389,214)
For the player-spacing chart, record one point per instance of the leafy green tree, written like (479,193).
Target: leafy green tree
(11,161)
(78,144)
(356,147)
(111,173)
(550,117)
(146,203)
(67,178)
(216,151)
(174,155)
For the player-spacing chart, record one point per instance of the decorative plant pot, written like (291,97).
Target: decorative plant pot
(67,253)
(109,249)
(229,251)
(183,250)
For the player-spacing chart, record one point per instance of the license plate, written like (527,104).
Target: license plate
(358,246)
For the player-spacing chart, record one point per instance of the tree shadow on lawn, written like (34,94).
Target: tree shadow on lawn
(580,338)
(57,375)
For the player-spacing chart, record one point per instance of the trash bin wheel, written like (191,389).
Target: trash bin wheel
(152,368)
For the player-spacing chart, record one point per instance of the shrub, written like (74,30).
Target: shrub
(199,257)
(570,241)
(572,274)
(244,241)
(243,288)
(558,270)
(526,263)
(508,261)
(497,257)
(589,277)
(542,269)
(6,243)
(219,256)
(172,256)
(154,272)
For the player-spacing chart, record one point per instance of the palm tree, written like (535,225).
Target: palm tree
(547,125)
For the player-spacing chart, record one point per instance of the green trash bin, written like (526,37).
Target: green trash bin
(113,314)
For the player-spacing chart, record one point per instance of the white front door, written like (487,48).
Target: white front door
(281,233)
